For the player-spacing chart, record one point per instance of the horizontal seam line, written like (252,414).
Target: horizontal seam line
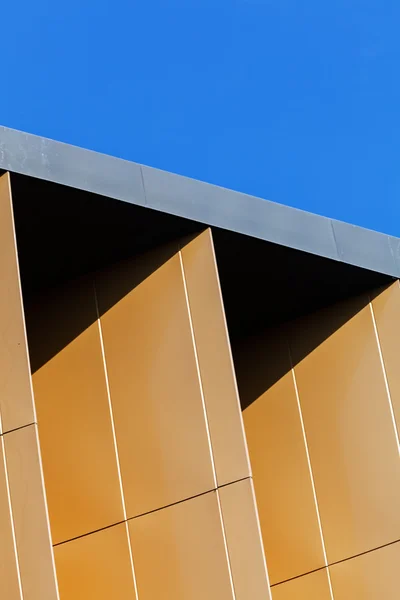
(149,512)
(337,562)
(152,511)
(365,552)
(78,537)
(298,576)
(18,428)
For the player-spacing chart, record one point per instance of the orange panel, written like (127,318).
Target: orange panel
(16,403)
(215,361)
(386,308)
(243,537)
(309,587)
(350,435)
(179,552)
(28,503)
(372,576)
(96,566)
(282,481)
(159,418)
(9,584)
(78,450)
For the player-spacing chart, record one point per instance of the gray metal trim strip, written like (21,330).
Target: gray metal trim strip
(76,167)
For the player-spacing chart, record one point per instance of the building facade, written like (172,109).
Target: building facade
(199,390)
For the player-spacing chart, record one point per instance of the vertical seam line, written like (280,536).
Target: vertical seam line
(131,559)
(143,185)
(228,559)
(46,508)
(389,396)
(12,519)
(198,371)
(311,477)
(254,499)
(338,252)
(103,354)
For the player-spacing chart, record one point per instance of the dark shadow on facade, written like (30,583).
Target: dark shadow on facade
(263,359)
(57,316)
(64,234)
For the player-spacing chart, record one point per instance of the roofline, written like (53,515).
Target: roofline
(215,206)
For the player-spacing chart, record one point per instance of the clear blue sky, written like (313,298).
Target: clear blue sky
(297,101)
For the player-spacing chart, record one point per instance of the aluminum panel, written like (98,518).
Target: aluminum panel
(215,361)
(350,433)
(243,537)
(96,566)
(179,552)
(160,422)
(231,210)
(282,481)
(79,456)
(372,576)
(364,248)
(71,166)
(31,524)
(16,400)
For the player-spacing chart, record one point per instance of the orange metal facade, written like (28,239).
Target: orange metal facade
(324,449)
(129,471)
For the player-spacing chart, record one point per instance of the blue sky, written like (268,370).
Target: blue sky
(294,101)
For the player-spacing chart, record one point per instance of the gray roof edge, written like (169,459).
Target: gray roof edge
(91,171)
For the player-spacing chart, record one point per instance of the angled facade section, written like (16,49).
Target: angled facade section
(199,390)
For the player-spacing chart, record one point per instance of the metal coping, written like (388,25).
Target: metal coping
(215,206)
